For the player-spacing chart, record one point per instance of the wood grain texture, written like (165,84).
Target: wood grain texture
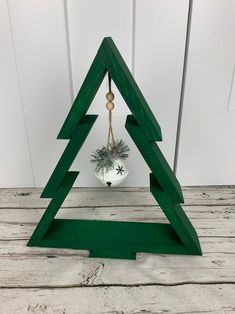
(42,280)
(212,299)
(219,227)
(30,197)
(73,270)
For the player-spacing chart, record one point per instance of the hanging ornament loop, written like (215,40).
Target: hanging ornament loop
(110,107)
(109,163)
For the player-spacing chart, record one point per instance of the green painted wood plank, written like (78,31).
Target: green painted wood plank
(122,77)
(119,238)
(69,154)
(111,238)
(112,253)
(53,207)
(84,98)
(155,160)
(177,217)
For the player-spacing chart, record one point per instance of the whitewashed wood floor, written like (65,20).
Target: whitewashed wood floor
(41,280)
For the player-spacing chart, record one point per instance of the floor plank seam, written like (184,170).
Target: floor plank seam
(204,283)
(202,236)
(125,206)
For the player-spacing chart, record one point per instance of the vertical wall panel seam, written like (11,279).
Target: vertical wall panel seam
(183,82)
(21,94)
(231,89)
(133,37)
(68,46)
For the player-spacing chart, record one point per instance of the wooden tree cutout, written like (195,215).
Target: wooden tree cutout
(115,239)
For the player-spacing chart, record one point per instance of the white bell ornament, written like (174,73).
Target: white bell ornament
(114,176)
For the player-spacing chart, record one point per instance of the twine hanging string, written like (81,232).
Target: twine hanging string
(110,106)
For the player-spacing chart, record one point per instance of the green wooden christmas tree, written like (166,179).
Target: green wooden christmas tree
(109,238)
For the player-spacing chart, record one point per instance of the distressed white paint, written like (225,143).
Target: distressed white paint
(45,280)
(196,299)
(216,224)
(135,197)
(38,271)
(207,150)
(15,165)
(127,213)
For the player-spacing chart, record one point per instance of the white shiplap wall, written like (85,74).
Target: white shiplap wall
(46,50)
(207,141)
(39,36)
(15,163)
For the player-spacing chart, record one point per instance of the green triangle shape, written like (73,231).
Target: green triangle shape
(115,239)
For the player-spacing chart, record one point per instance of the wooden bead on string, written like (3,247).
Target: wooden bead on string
(110,105)
(110,96)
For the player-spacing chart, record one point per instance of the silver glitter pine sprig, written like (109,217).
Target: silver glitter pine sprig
(104,158)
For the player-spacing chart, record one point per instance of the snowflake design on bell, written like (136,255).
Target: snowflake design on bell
(119,169)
